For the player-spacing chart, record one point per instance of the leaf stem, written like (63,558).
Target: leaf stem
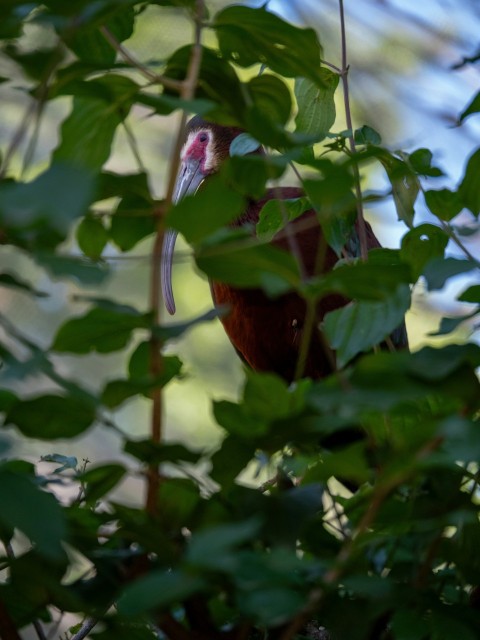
(362,231)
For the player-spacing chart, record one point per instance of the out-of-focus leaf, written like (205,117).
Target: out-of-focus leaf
(249,36)
(243,144)
(214,548)
(421,244)
(409,625)
(469,188)
(65,462)
(41,212)
(167,332)
(447,325)
(14,282)
(367,135)
(158,589)
(90,45)
(117,391)
(22,503)
(81,271)
(472,107)
(100,329)
(87,133)
(438,270)
(100,480)
(218,82)
(214,206)
(421,161)
(92,237)
(49,417)
(271,95)
(472,294)
(247,265)
(276,213)
(316,105)
(153,453)
(237,421)
(230,459)
(435,364)
(132,221)
(445,204)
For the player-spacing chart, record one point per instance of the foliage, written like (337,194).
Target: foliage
(389,551)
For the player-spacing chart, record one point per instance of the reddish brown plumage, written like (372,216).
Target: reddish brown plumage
(267,332)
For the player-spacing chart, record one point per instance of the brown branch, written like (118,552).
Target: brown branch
(362,230)
(175,85)
(187,92)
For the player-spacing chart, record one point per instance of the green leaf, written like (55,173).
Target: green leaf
(435,364)
(214,206)
(359,326)
(271,606)
(87,133)
(444,204)
(447,325)
(421,244)
(81,271)
(218,82)
(41,212)
(100,480)
(132,221)
(100,329)
(421,162)
(316,104)
(249,174)
(371,280)
(237,421)
(117,391)
(472,107)
(367,135)
(405,185)
(409,625)
(472,294)
(159,589)
(14,282)
(275,214)
(249,36)
(271,96)
(469,188)
(243,144)
(214,548)
(65,462)
(167,332)
(334,204)
(154,453)
(247,265)
(90,45)
(92,237)
(22,504)
(230,459)
(49,416)
(438,270)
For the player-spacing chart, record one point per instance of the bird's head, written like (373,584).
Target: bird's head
(206,146)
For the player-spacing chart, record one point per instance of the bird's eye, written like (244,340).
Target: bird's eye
(203,137)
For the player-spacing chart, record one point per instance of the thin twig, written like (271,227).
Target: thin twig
(85,629)
(156,78)
(133,146)
(362,230)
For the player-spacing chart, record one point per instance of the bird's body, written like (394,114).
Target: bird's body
(266,332)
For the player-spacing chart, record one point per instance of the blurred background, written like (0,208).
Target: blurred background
(409,81)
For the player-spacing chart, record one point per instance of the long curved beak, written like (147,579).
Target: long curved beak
(190,177)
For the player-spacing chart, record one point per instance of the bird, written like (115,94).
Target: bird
(266,332)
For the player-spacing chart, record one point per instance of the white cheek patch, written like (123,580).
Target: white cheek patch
(198,150)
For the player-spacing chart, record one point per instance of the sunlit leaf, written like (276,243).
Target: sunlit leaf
(316,105)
